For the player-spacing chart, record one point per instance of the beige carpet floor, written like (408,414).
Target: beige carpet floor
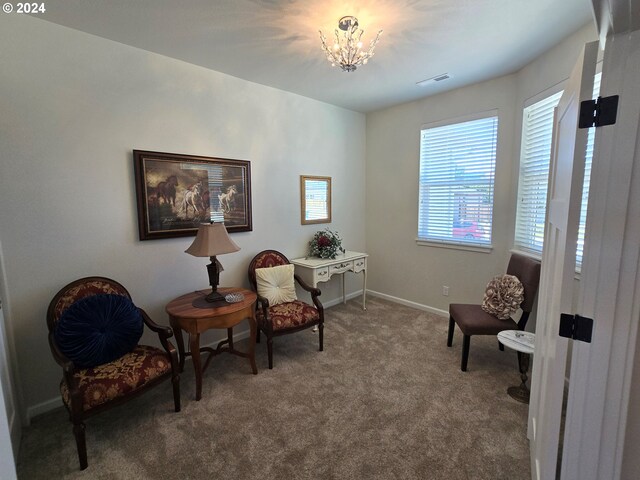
(385,400)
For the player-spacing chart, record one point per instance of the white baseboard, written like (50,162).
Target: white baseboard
(408,303)
(40,408)
(338,301)
(56,402)
(15,431)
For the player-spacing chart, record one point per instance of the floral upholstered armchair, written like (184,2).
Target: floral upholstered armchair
(94,330)
(278,311)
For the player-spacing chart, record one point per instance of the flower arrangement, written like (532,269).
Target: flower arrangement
(325,244)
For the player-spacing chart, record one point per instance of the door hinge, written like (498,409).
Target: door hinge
(598,113)
(576,327)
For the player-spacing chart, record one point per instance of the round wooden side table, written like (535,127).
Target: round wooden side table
(194,315)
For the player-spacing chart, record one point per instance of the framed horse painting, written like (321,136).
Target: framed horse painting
(175,193)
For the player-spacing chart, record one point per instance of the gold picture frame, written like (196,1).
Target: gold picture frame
(315,199)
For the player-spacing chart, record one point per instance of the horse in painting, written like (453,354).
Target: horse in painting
(167,190)
(205,199)
(226,199)
(192,199)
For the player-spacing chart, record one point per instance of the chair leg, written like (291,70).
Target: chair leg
(270,350)
(501,347)
(175,381)
(465,352)
(81,444)
(452,324)
(321,335)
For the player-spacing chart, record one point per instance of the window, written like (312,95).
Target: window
(457,170)
(537,128)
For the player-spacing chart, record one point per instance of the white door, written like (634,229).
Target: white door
(566,176)
(600,408)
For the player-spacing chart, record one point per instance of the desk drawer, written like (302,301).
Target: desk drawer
(340,267)
(359,265)
(320,275)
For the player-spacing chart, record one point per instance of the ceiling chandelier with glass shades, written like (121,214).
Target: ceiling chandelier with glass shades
(347,50)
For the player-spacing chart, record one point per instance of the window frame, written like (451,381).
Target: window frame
(450,242)
(542,96)
(558,88)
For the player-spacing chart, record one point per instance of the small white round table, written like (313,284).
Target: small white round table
(523,343)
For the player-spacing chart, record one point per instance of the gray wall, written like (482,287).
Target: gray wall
(74,106)
(402,268)
(416,273)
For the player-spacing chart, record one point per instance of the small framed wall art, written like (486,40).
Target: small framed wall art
(315,199)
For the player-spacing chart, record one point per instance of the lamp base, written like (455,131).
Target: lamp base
(215,297)
(217,300)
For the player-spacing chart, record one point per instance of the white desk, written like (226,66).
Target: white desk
(523,343)
(314,270)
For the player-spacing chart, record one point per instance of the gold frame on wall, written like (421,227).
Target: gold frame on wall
(306,218)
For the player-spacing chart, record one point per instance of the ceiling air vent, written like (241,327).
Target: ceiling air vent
(437,78)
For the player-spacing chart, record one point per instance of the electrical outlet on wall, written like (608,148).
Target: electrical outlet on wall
(445,290)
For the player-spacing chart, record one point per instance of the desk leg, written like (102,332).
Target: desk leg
(344,296)
(314,329)
(194,345)
(364,290)
(177,331)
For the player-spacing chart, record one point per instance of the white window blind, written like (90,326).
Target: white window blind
(537,128)
(457,170)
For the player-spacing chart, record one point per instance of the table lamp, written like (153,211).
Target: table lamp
(211,240)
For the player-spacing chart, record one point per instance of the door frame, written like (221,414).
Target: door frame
(10,425)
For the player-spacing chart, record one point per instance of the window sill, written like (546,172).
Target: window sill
(577,273)
(535,256)
(455,246)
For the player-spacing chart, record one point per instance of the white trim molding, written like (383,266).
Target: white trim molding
(409,303)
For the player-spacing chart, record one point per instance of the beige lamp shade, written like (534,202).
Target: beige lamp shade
(212,239)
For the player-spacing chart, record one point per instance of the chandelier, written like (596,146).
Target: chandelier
(347,50)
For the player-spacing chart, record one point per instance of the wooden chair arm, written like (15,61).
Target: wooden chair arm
(60,358)
(315,293)
(68,373)
(164,333)
(161,330)
(263,304)
(307,287)
(316,301)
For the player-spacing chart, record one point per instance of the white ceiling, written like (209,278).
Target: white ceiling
(276,42)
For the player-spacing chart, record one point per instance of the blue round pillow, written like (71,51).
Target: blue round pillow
(98,329)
